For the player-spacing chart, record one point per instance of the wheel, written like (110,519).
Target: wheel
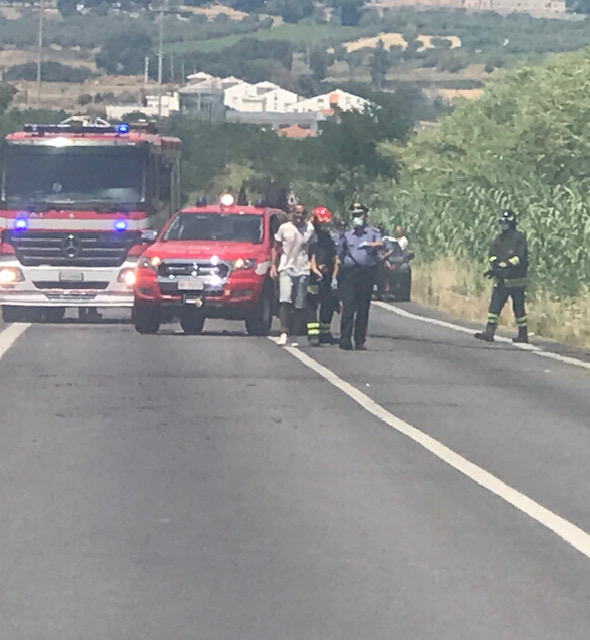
(54,314)
(404,292)
(192,321)
(259,322)
(13,314)
(146,319)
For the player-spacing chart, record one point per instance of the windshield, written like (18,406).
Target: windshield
(216,227)
(70,175)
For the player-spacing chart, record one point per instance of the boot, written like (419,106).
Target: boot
(522,337)
(487,334)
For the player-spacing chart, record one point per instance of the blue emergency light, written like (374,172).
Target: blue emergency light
(21,224)
(123,128)
(120,225)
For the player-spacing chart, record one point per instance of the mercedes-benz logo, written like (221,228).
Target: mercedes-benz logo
(71,246)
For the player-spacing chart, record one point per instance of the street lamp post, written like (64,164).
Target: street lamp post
(160,58)
(39,51)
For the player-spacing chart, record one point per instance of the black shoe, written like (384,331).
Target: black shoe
(327,338)
(360,346)
(485,336)
(346,346)
(522,337)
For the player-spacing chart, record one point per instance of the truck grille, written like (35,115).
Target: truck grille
(77,249)
(168,269)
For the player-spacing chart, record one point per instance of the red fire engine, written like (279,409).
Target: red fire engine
(76,201)
(210,261)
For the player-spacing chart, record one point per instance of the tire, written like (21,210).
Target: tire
(146,319)
(54,314)
(192,321)
(259,322)
(405,289)
(13,314)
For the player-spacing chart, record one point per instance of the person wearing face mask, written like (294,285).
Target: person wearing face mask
(508,262)
(358,254)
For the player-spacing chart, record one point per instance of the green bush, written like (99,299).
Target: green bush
(50,72)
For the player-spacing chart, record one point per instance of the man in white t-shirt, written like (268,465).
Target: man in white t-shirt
(290,261)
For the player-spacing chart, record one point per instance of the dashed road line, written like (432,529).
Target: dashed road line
(576,362)
(10,335)
(566,530)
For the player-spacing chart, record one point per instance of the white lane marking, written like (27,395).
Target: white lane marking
(455,327)
(10,335)
(569,532)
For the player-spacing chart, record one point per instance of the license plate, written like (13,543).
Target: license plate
(71,276)
(191,284)
(189,299)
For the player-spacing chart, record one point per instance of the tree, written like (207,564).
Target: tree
(67,7)
(350,11)
(124,51)
(379,66)
(7,93)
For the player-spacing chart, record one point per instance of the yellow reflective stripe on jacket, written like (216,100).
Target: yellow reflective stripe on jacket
(514,261)
(493,258)
(515,282)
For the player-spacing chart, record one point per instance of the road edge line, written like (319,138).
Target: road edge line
(10,335)
(456,327)
(564,529)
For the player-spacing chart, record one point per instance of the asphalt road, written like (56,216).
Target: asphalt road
(220,487)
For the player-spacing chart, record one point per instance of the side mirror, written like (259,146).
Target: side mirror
(149,236)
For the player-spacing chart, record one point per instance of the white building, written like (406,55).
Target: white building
(337,99)
(170,105)
(260,97)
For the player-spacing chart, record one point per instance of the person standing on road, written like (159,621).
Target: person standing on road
(359,261)
(321,298)
(508,261)
(290,262)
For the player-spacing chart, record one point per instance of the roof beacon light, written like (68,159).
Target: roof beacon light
(120,225)
(123,128)
(21,224)
(227,200)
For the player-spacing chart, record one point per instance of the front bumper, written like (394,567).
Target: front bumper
(235,298)
(68,287)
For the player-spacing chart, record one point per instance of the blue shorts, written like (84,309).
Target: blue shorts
(293,289)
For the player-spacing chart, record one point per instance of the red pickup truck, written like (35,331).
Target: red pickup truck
(209,261)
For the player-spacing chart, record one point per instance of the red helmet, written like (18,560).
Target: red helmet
(322,215)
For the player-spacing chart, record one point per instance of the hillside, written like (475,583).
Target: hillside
(443,51)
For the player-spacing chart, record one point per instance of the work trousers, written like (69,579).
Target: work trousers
(500,295)
(321,304)
(355,289)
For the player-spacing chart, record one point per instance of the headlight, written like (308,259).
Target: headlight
(149,263)
(128,277)
(10,275)
(244,263)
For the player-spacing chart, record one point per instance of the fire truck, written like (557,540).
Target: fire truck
(77,200)
(210,261)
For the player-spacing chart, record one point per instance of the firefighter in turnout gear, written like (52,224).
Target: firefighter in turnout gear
(321,295)
(508,262)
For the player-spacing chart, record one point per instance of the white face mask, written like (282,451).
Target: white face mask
(358,222)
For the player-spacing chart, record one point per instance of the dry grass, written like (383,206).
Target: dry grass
(460,290)
(397,40)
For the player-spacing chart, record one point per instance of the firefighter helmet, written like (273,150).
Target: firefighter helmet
(322,215)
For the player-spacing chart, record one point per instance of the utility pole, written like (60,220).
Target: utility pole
(39,50)
(146,71)
(160,58)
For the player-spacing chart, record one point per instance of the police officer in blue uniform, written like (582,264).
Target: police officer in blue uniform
(359,262)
